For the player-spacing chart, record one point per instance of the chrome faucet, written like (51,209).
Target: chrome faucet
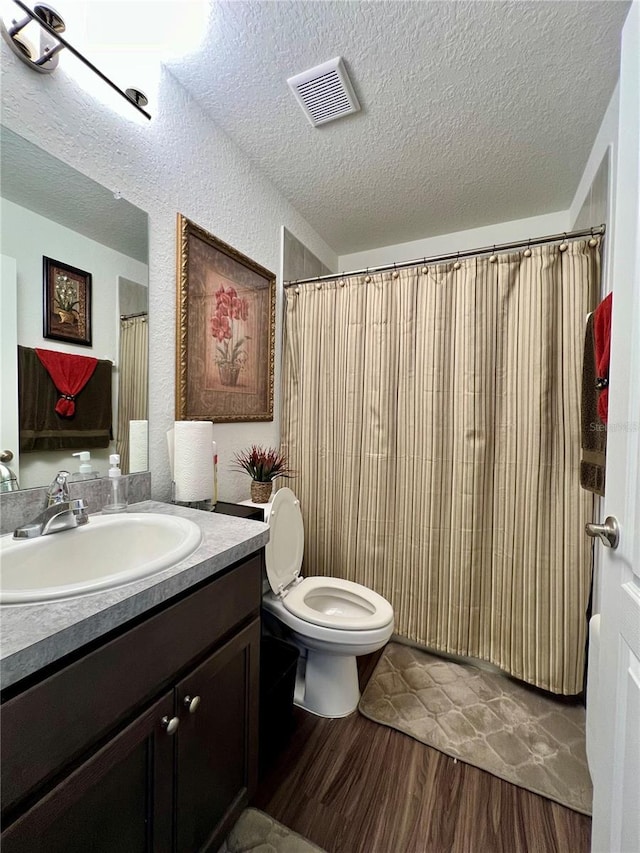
(58,491)
(61,512)
(8,480)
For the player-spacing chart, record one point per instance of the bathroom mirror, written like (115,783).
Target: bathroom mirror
(50,210)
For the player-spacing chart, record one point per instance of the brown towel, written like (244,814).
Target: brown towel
(42,429)
(594,432)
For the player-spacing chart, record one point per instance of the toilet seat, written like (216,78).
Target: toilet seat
(337,603)
(324,601)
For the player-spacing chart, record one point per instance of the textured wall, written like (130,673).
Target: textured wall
(458,241)
(604,148)
(178,162)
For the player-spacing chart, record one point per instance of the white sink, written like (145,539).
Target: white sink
(108,551)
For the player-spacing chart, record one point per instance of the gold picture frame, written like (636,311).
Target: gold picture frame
(225,335)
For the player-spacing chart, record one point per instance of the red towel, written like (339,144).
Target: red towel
(602,345)
(70,373)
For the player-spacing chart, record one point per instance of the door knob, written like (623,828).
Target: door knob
(170,724)
(191,703)
(6,456)
(608,533)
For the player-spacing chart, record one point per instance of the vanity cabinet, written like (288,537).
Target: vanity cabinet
(119,799)
(96,758)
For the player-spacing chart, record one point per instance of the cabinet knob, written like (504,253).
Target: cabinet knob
(191,703)
(170,724)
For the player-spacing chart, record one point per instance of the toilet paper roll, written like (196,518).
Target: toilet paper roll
(138,446)
(193,460)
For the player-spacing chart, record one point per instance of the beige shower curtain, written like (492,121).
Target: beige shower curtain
(433,418)
(132,380)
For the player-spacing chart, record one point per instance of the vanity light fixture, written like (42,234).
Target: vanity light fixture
(45,59)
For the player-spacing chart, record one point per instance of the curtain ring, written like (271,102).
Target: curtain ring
(341,282)
(527,251)
(367,278)
(564,245)
(457,264)
(395,272)
(493,258)
(592,242)
(424,269)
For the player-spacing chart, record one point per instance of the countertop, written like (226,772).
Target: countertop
(34,635)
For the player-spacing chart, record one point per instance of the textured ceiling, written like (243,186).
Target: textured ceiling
(473,112)
(34,179)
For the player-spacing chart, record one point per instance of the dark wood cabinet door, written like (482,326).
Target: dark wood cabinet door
(118,800)
(216,743)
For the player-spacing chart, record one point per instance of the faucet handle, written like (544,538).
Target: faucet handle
(58,491)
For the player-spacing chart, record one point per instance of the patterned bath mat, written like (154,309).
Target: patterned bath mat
(256,831)
(483,719)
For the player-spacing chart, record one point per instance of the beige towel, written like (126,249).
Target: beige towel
(594,432)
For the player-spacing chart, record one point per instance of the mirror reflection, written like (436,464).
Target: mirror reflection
(98,244)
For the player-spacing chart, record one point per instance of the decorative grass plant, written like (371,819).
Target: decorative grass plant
(263,465)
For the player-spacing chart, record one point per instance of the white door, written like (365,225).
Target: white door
(9,360)
(616,774)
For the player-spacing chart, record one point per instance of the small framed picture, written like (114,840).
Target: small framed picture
(225,331)
(67,303)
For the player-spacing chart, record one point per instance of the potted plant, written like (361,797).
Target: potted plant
(263,465)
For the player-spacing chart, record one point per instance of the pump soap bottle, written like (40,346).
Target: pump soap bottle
(118,496)
(86,472)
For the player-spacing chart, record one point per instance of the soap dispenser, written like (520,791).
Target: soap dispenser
(85,472)
(117,487)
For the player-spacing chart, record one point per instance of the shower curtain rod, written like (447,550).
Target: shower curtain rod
(454,256)
(133,316)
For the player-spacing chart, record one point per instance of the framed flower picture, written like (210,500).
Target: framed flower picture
(225,331)
(67,303)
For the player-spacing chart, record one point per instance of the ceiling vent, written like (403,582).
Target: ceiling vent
(325,92)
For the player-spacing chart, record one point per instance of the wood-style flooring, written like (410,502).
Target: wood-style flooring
(353,786)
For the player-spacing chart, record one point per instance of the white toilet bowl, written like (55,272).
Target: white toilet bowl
(332,621)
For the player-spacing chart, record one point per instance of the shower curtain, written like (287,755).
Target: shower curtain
(432,416)
(133,380)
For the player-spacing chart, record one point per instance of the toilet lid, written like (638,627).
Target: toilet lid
(284,550)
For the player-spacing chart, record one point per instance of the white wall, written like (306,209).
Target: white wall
(178,162)
(606,140)
(606,143)
(27,236)
(458,241)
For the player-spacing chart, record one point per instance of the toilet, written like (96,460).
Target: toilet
(332,621)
